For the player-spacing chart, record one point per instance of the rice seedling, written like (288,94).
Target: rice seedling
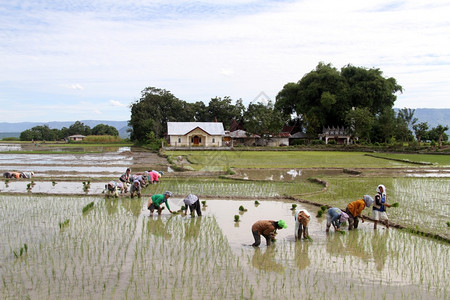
(257,203)
(64,223)
(242,208)
(319,213)
(88,207)
(236,218)
(294,206)
(395,204)
(204,203)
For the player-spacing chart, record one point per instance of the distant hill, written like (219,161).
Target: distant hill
(433,116)
(14,129)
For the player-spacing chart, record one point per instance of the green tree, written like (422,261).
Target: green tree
(39,133)
(79,128)
(103,129)
(324,96)
(152,112)
(263,119)
(438,134)
(223,110)
(360,122)
(420,130)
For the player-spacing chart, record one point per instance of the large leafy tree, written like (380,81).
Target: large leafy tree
(324,96)
(360,122)
(39,133)
(263,119)
(223,110)
(79,128)
(438,134)
(152,112)
(103,129)
(420,130)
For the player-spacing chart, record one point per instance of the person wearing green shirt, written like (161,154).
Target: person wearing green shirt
(155,201)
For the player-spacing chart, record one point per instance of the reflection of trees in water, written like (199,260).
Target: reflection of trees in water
(266,261)
(379,248)
(301,254)
(192,228)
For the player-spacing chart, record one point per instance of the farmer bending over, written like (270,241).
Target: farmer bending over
(155,201)
(302,218)
(135,188)
(335,216)
(267,229)
(354,211)
(194,204)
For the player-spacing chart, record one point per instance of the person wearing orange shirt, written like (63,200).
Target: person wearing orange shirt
(354,211)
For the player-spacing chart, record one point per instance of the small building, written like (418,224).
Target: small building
(76,137)
(339,134)
(187,134)
(240,137)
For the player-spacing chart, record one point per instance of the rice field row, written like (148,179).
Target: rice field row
(115,250)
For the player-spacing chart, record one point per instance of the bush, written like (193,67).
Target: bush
(11,139)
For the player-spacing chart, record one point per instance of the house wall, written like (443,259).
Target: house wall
(187,140)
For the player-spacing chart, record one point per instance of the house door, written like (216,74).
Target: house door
(196,140)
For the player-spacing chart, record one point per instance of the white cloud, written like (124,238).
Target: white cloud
(117,103)
(117,49)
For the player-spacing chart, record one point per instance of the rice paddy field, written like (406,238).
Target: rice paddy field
(59,240)
(115,250)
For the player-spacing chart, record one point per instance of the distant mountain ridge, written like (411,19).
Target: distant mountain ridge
(14,129)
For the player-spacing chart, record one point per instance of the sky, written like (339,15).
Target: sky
(71,60)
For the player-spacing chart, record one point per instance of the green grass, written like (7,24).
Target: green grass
(221,187)
(436,160)
(222,160)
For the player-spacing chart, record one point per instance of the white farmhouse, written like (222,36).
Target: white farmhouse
(187,134)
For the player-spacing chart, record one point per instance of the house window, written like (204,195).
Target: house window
(213,140)
(179,140)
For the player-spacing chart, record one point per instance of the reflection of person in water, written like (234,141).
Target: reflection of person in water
(158,227)
(301,255)
(379,250)
(266,261)
(335,245)
(192,228)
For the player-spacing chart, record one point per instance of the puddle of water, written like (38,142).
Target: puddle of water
(10,147)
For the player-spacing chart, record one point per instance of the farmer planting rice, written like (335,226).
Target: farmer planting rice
(379,207)
(302,218)
(155,201)
(113,188)
(140,178)
(336,217)
(125,177)
(268,229)
(193,203)
(15,175)
(354,210)
(27,175)
(135,189)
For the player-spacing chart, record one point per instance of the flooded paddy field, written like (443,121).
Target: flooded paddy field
(51,249)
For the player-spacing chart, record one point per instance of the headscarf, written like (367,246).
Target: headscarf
(343,217)
(379,191)
(368,200)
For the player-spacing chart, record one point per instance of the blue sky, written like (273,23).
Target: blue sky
(78,60)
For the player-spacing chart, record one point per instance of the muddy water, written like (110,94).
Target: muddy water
(110,163)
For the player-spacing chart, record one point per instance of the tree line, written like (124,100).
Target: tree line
(357,98)
(44,133)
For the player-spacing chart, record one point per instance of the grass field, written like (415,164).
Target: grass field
(221,160)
